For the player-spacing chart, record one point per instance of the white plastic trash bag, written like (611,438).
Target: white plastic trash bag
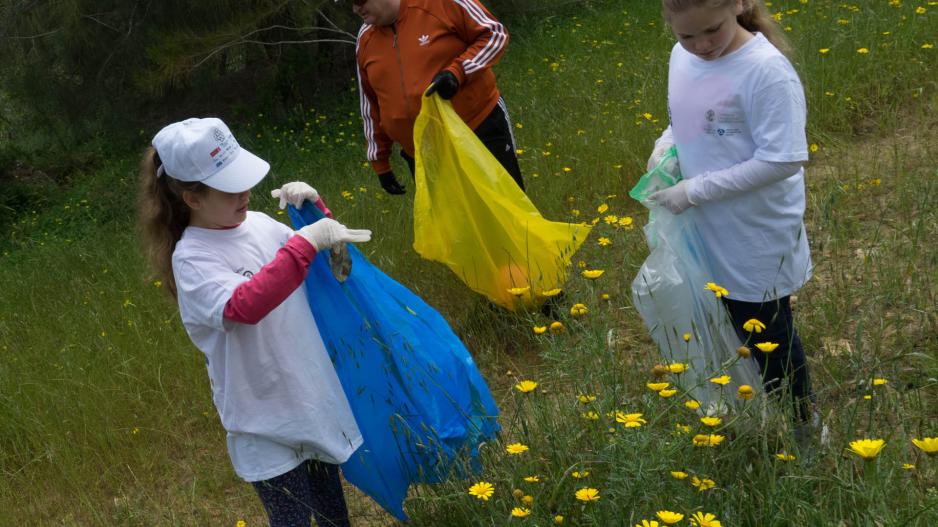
(670,295)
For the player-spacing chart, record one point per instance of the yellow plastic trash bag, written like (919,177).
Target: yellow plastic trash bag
(470,215)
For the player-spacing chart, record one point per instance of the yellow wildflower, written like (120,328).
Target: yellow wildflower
(691,404)
(482,490)
(702,484)
(677,474)
(516,448)
(711,421)
(557,328)
(785,456)
(540,330)
(578,310)
(722,380)
(532,479)
(669,517)
(667,393)
(520,512)
(678,367)
(868,449)
(526,386)
(630,420)
(518,291)
(753,326)
(719,291)
(710,440)
(767,347)
(657,386)
(587,494)
(580,475)
(586,399)
(879,382)
(550,292)
(745,392)
(592,274)
(704,519)
(929,445)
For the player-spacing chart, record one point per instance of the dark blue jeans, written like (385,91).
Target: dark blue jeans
(787,363)
(312,489)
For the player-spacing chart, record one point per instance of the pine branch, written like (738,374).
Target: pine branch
(244,39)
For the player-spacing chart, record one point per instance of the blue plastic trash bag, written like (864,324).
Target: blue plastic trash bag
(419,400)
(669,293)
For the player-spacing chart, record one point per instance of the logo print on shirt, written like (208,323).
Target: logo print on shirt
(711,115)
(424,40)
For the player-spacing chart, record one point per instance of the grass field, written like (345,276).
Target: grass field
(106,410)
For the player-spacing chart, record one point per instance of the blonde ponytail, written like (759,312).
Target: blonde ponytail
(756,17)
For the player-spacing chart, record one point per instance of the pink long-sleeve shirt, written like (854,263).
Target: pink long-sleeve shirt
(269,287)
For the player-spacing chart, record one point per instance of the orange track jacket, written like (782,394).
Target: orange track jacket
(396,64)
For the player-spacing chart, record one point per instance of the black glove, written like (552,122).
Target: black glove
(390,184)
(445,84)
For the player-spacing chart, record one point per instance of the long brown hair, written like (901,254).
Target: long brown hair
(162,215)
(755,17)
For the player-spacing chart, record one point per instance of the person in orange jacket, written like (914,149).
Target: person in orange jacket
(448,47)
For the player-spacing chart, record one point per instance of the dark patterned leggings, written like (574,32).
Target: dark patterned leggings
(311,489)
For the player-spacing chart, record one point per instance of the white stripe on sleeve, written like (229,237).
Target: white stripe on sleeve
(495,43)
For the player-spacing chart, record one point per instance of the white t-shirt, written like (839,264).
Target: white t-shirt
(273,383)
(747,104)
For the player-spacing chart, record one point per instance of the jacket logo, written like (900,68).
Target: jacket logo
(424,40)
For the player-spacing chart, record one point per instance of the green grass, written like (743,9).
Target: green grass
(107,413)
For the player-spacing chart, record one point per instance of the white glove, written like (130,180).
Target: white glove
(295,194)
(661,148)
(327,232)
(675,198)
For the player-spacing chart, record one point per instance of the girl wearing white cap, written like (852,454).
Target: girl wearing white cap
(235,274)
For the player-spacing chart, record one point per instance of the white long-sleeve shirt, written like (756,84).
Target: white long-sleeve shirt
(738,125)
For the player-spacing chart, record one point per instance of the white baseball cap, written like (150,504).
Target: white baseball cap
(205,150)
